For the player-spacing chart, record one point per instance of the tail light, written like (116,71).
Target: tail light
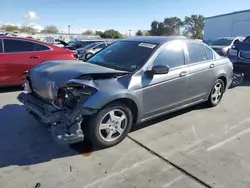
(74,55)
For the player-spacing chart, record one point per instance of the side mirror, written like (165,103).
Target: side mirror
(160,69)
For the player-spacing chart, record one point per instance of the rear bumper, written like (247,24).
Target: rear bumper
(65,125)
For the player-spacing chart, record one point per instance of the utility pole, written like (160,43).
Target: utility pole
(69,30)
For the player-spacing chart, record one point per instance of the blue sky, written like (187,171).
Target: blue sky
(121,15)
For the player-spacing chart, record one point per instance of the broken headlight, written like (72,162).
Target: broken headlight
(71,94)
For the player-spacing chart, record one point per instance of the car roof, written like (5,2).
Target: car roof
(154,39)
(26,39)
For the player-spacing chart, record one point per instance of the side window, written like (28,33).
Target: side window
(11,46)
(40,47)
(101,46)
(196,52)
(210,53)
(1,46)
(172,55)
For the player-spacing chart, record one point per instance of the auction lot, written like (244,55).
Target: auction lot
(196,147)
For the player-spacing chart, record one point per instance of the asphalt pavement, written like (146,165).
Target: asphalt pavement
(193,148)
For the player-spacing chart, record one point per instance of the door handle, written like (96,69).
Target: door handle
(34,57)
(212,65)
(184,73)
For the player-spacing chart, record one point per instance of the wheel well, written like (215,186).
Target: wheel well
(224,79)
(130,104)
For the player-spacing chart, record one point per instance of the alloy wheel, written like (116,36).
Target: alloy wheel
(113,125)
(216,93)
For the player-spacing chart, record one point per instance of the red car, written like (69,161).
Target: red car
(20,54)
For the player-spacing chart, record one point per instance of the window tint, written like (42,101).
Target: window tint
(18,46)
(210,53)
(1,46)
(40,47)
(196,52)
(172,55)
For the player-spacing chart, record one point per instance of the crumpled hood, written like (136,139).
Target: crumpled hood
(47,77)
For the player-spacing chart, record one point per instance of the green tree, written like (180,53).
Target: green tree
(194,26)
(50,29)
(88,32)
(98,33)
(170,26)
(147,33)
(27,29)
(139,33)
(111,33)
(9,27)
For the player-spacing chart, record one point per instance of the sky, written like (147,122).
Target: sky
(121,15)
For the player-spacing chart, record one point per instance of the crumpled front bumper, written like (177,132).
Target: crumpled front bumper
(65,125)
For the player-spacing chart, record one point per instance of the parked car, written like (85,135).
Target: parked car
(20,54)
(90,50)
(222,45)
(130,81)
(75,44)
(239,54)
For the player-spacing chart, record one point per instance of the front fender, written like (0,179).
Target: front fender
(99,100)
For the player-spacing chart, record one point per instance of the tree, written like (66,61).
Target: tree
(27,29)
(99,33)
(88,32)
(170,26)
(9,27)
(139,33)
(194,25)
(50,29)
(111,33)
(147,33)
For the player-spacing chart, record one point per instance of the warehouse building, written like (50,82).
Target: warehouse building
(227,25)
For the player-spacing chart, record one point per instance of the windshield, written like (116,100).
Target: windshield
(222,42)
(124,55)
(72,43)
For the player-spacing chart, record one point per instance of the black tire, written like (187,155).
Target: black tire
(87,55)
(211,102)
(92,133)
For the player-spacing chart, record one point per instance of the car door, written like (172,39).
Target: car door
(16,59)
(201,64)
(164,92)
(42,53)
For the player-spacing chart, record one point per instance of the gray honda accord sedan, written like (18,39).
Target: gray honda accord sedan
(130,81)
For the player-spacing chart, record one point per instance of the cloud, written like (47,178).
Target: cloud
(31,15)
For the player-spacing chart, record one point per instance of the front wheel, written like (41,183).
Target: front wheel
(216,93)
(88,55)
(109,126)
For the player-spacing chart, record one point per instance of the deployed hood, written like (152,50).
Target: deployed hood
(46,78)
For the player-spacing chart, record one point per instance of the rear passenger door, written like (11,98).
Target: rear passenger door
(201,65)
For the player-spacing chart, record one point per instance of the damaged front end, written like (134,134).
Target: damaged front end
(64,115)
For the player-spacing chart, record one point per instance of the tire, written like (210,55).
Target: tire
(87,55)
(102,119)
(216,93)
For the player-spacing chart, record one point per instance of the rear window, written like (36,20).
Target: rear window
(1,46)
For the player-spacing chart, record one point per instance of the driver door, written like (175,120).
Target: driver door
(165,92)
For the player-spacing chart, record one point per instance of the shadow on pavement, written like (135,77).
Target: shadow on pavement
(10,89)
(25,142)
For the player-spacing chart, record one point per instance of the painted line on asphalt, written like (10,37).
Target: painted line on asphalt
(183,171)
(228,140)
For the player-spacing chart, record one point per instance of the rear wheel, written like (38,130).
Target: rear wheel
(216,93)
(109,126)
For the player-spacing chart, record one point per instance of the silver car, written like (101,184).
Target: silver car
(89,50)
(131,81)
